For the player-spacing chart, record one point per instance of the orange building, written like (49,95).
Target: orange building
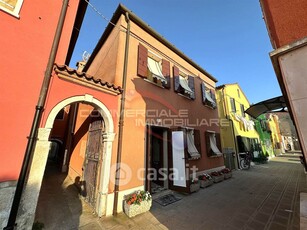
(170,120)
(162,131)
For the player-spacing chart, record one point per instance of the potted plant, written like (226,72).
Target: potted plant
(137,202)
(194,185)
(217,176)
(205,180)
(227,173)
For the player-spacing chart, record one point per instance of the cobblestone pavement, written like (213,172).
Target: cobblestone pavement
(265,197)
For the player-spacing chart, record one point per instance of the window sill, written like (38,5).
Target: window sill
(14,14)
(216,156)
(151,82)
(182,95)
(194,159)
(208,106)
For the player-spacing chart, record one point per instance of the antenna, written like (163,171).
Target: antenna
(85,56)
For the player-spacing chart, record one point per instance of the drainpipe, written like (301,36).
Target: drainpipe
(232,127)
(36,121)
(121,118)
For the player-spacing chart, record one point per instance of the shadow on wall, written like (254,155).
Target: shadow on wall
(7,190)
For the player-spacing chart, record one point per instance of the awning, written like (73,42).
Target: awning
(155,69)
(266,106)
(192,150)
(209,98)
(185,85)
(213,146)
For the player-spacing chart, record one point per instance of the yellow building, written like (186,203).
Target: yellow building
(237,128)
(275,133)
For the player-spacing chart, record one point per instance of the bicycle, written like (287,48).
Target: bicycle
(245,161)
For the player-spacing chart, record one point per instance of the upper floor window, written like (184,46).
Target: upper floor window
(183,83)
(242,110)
(238,91)
(233,105)
(208,96)
(11,6)
(153,68)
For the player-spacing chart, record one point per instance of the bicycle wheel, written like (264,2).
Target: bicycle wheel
(244,164)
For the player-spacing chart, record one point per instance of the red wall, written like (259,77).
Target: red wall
(24,52)
(286,20)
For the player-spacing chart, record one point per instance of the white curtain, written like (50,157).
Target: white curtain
(192,150)
(209,98)
(185,85)
(213,145)
(155,68)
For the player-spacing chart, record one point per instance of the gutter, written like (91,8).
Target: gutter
(36,121)
(121,119)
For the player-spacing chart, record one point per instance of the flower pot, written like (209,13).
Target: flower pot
(218,178)
(205,183)
(194,187)
(136,209)
(227,175)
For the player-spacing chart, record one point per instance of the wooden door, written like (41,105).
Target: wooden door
(93,158)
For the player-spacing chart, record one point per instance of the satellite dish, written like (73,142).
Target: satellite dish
(85,56)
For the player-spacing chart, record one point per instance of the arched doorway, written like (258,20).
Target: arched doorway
(41,153)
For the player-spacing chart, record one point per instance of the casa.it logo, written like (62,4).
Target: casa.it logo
(125,174)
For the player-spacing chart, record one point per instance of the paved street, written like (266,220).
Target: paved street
(265,197)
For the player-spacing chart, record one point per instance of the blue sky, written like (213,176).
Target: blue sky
(228,38)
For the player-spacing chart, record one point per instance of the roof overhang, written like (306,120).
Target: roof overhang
(266,106)
(122,10)
(81,78)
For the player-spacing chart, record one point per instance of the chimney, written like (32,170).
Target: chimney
(80,65)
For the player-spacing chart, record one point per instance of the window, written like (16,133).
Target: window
(183,83)
(233,105)
(153,68)
(242,110)
(192,142)
(213,144)
(238,91)
(11,6)
(208,96)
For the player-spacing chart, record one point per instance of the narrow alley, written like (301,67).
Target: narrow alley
(265,197)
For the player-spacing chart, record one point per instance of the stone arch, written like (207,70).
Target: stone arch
(105,113)
(33,186)
(108,138)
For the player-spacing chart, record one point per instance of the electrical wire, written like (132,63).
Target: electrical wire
(104,17)
(123,29)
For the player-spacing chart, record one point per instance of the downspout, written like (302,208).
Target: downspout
(36,121)
(121,118)
(232,126)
